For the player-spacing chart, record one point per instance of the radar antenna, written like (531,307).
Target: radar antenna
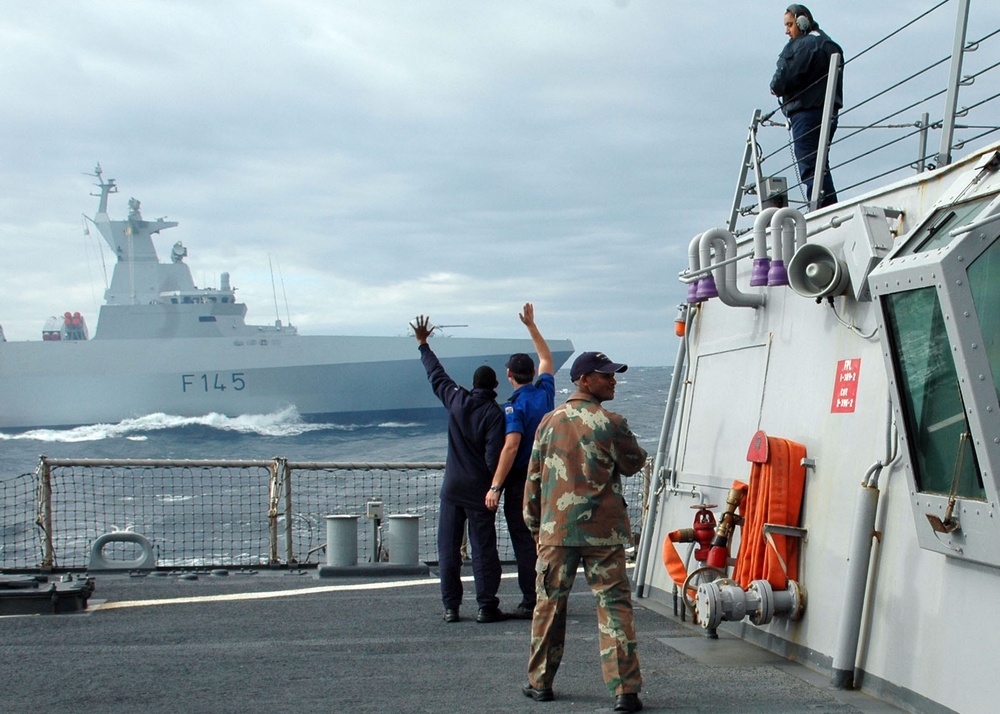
(442,327)
(107,188)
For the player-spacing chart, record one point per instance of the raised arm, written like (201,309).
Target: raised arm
(541,346)
(443,385)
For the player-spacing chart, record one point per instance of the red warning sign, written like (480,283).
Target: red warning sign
(845,388)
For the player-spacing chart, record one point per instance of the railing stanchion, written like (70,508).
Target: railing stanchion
(287,476)
(274,491)
(44,519)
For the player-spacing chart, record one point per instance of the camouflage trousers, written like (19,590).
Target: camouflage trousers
(604,568)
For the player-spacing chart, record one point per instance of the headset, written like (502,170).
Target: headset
(803,18)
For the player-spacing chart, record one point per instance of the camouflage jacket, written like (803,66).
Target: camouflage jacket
(573,496)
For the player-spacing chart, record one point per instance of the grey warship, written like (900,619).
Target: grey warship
(164,345)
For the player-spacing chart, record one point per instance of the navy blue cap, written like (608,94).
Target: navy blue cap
(521,363)
(594,362)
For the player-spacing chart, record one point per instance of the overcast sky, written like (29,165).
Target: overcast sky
(400,157)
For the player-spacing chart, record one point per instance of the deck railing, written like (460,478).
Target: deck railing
(219,513)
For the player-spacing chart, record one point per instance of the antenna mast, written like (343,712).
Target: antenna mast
(954,81)
(274,292)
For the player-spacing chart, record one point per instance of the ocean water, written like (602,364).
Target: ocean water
(640,397)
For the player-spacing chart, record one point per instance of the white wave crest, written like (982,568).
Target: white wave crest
(285,422)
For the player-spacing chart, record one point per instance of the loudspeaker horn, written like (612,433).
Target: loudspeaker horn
(815,272)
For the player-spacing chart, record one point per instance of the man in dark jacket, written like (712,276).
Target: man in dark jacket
(475,438)
(800,83)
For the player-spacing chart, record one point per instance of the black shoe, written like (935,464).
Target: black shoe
(451,614)
(490,614)
(539,695)
(522,612)
(627,703)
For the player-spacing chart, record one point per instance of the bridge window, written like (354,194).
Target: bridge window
(984,281)
(936,233)
(944,459)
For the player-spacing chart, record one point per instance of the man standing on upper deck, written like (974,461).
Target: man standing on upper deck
(573,504)
(475,437)
(800,84)
(525,409)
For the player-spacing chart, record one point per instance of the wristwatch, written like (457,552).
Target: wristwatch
(495,489)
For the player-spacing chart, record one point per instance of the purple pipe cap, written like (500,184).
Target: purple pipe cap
(758,277)
(706,289)
(692,296)
(777,275)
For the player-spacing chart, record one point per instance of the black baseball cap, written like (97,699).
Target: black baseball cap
(594,362)
(521,363)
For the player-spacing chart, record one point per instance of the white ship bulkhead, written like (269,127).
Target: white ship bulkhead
(925,631)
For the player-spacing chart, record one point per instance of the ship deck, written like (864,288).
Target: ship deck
(289,641)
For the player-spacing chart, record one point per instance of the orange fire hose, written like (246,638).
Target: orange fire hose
(775,497)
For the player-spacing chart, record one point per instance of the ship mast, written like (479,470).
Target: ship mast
(139,281)
(106,188)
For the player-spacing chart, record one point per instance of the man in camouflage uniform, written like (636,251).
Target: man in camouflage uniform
(574,507)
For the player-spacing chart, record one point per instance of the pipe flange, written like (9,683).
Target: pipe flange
(798,595)
(707,608)
(696,578)
(761,591)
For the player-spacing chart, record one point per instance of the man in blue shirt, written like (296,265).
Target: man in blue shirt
(527,405)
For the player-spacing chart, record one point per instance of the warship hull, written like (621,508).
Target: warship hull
(67,383)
